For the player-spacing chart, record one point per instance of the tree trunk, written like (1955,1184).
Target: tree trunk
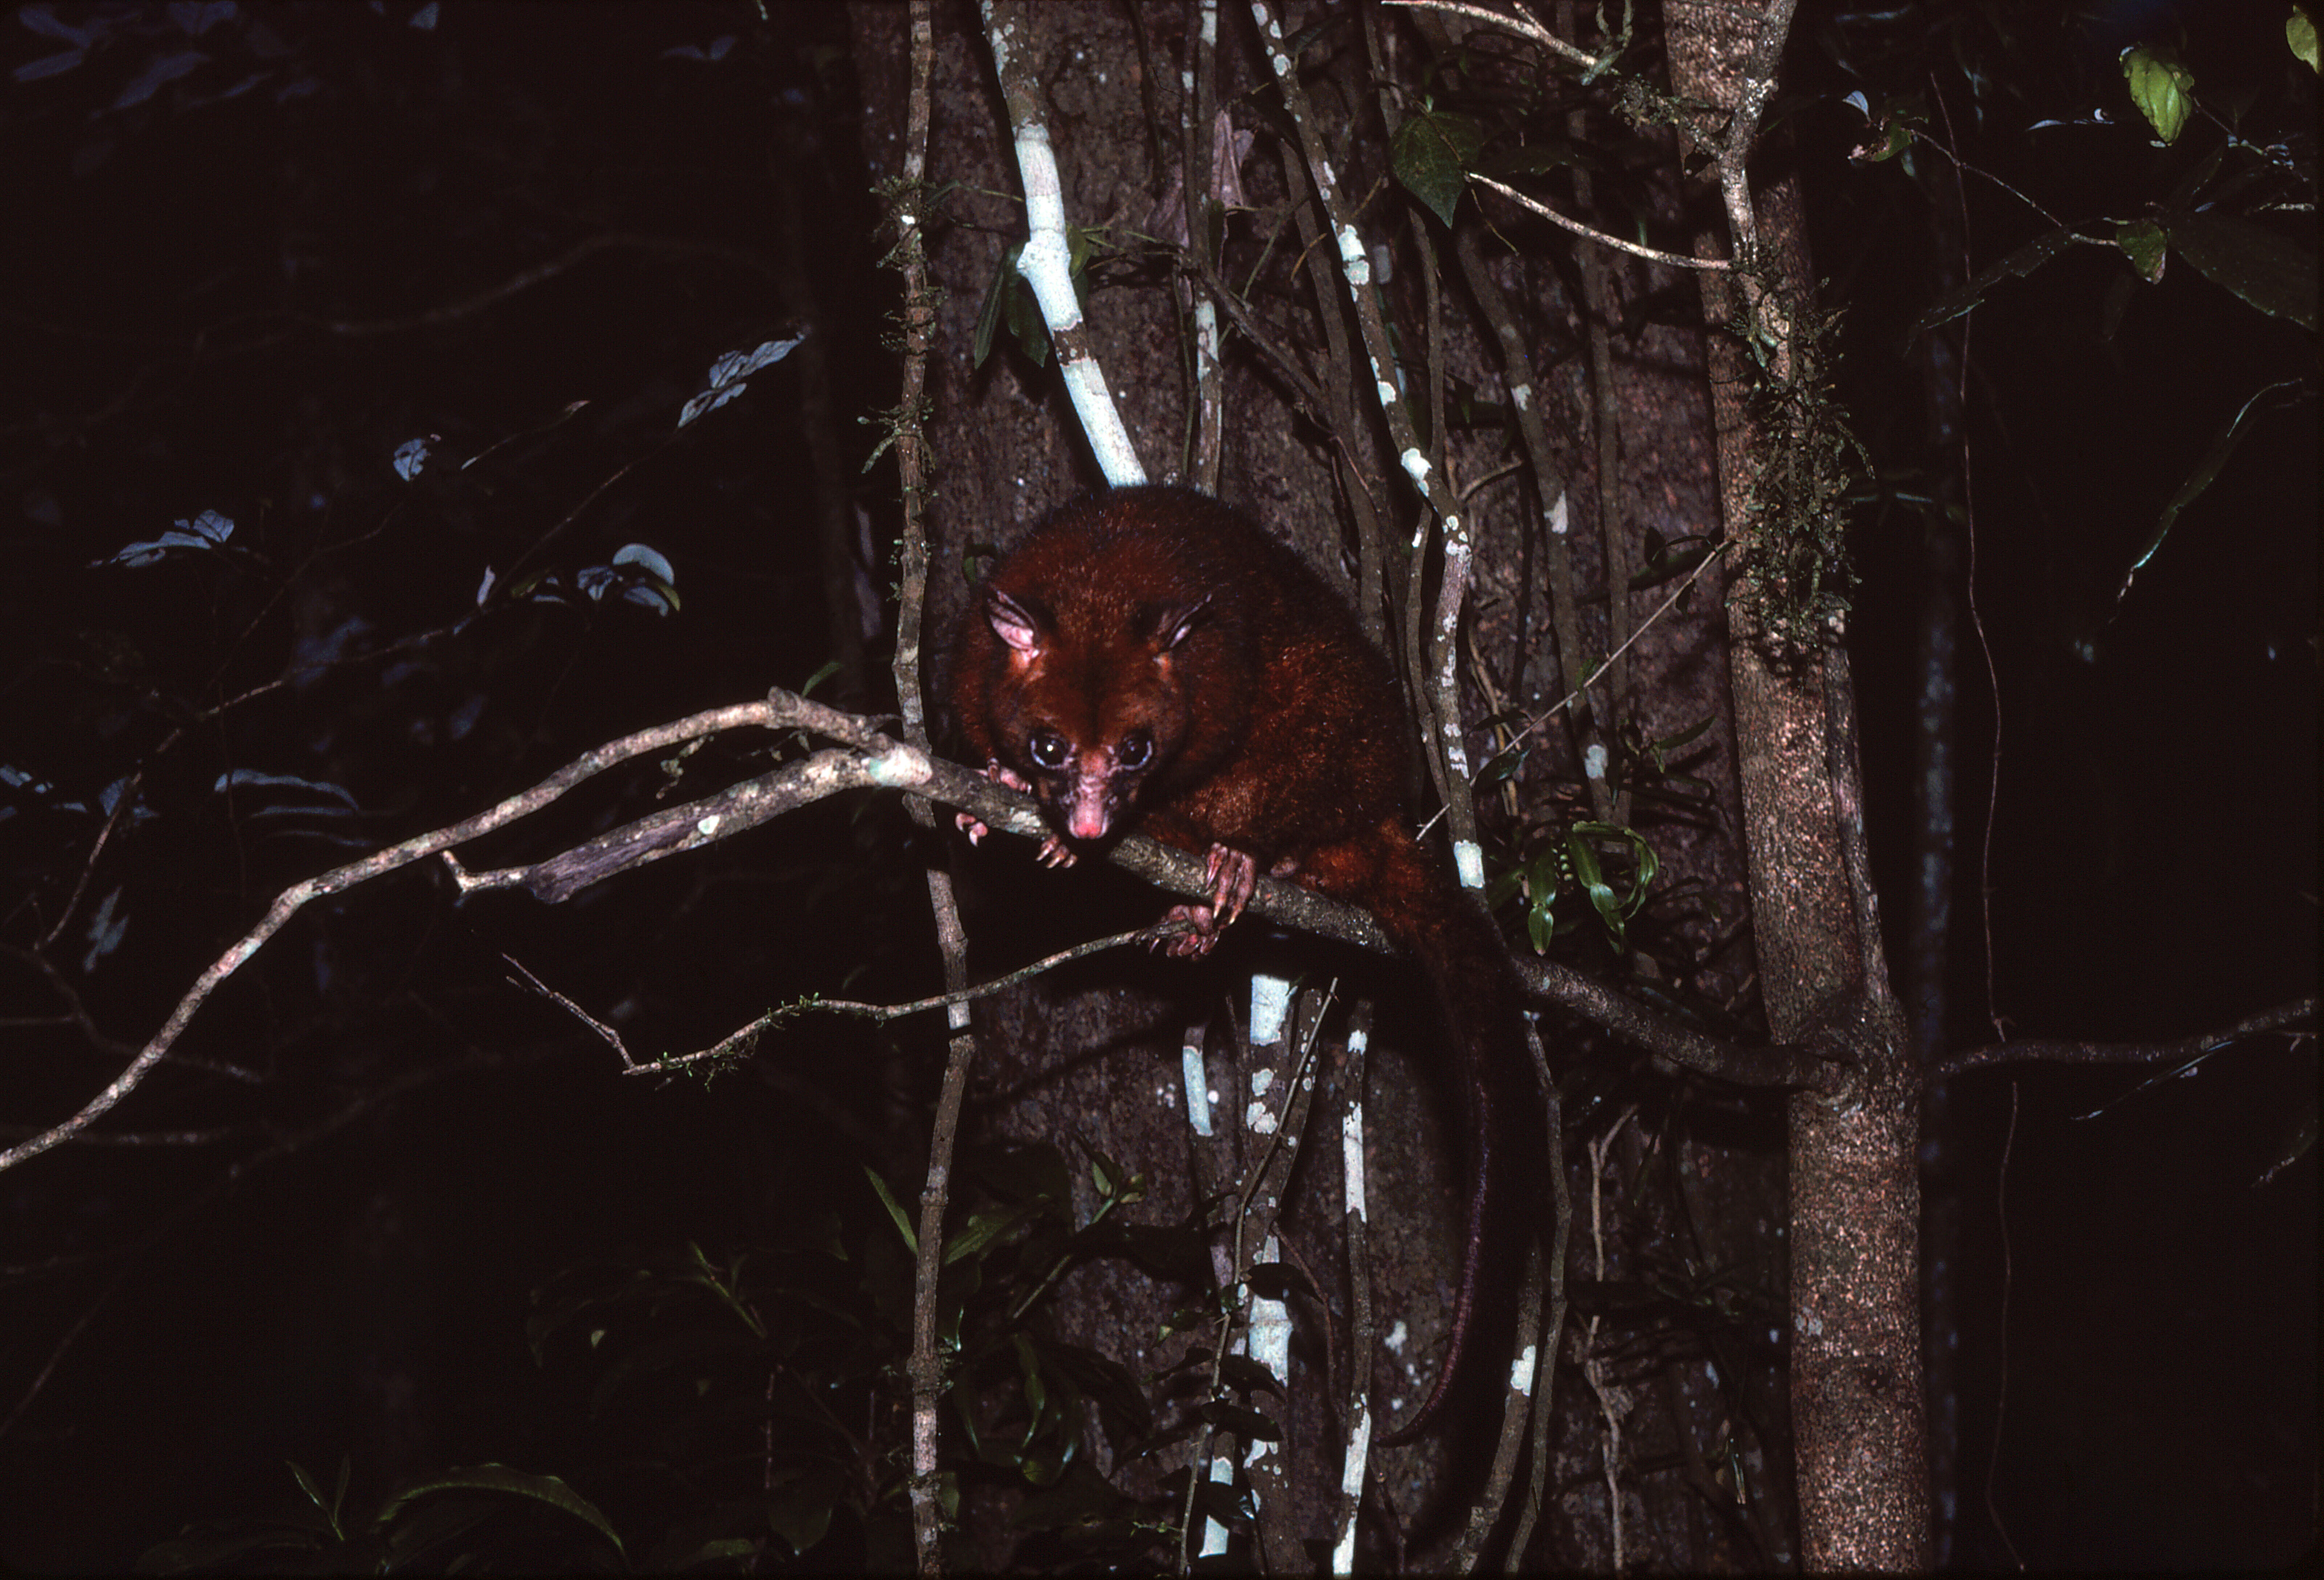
(1626,462)
(1088,1060)
(1858,1416)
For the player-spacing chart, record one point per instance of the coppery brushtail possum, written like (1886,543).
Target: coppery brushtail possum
(1149,658)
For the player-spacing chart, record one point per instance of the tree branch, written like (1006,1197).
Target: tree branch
(873,761)
(2060,1051)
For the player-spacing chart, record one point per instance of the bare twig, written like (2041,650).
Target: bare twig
(1485,1513)
(877,761)
(525,280)
(1549,486)
(57,1351)
(526,979)
(740,1042)
(1428,479)
(2064,1051)
(926,1365)
(1637,249)
(288,904)
(1524,26)
(1645,626)
(1613,1398)
(1551,1342)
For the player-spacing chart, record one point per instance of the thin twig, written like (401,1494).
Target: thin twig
(1651,254)
(741,1040)
(2063,1050)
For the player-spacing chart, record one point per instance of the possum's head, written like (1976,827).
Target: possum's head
(1089,718)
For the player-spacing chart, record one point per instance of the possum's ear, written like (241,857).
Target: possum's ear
(1171,624)
(1013,623)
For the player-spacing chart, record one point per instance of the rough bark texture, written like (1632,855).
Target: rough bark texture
(1090,1058)
(1858,1415)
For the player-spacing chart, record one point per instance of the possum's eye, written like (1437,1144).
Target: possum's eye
(1135,751)
(1048,748)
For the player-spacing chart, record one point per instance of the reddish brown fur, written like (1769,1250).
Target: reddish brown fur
(1271,728)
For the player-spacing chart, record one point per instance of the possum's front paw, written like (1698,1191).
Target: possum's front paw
(1054,851)
(1233,877)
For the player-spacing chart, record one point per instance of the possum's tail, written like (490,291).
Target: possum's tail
(1481,1002)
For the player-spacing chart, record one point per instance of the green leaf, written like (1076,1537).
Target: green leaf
(722,1282)
(1168,1250)
(440,1521)
(1108,1175)
(306,1486)
(1022,312)
(2275,275)
(219,1552)
(499,1478)
(1592,879)
(1251,1426)
(895,1211)
(2143,242)
(1078,1498)
(1542,882)
(1645,862)
(1036,1391)
(2161,88)
(1309,34)
(1667,562)
(1275,1280)
(1249,1376)
(1009,302)
(1225,1501)
(1614,909)
(996,301)
(1432,156)
(1665,746)
(2025,259)
(957,1401)
(1110,1383)
(1042,1467)
(1501,767)
(329,1508)
(1891,125)
(982,1228)
(1022,1174)
(801,1514)
(2300,33)
(2199,480)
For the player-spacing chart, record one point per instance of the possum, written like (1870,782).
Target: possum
(1149,658)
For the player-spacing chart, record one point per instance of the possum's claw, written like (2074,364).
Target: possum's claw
(1233,877)
(1053,852)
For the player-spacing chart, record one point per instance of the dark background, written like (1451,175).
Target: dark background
(243,289)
